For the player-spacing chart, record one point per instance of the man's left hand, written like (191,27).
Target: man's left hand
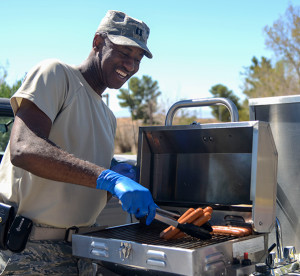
(125,169)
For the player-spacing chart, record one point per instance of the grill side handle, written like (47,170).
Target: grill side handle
(234,114)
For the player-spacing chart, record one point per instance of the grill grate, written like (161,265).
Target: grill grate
(143,234)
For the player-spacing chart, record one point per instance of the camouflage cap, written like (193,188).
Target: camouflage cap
(124,30)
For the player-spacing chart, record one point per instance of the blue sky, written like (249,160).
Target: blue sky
(196,44)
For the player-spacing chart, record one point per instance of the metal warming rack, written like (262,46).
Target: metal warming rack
(229,166)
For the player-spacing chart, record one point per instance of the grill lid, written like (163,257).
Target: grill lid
(200,165)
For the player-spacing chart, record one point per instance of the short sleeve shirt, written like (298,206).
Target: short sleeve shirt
(82,125)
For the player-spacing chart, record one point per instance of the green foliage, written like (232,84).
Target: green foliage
(3,74)
(4,137)
(284,38)
(141,98)
(282,77)
(7,91)
(244,111)
(264,80)
(221,112)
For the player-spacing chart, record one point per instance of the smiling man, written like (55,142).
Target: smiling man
(120,44)
(56,169)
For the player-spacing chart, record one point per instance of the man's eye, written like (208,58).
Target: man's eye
(124,54)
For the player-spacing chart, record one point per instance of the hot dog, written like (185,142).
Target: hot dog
(199,222)
(172,231)
(189,211)
(246,230)
(205,218)
(208,209)
(231,230)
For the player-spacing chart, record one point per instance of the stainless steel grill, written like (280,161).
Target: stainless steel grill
(229,166)
(136,249)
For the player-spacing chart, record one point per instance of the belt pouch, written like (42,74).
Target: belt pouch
(18,233)
(6,219)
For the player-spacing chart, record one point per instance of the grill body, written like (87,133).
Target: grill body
(229,166)
(136,248)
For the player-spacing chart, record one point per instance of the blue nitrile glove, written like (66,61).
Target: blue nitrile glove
(125,169)
(135,198)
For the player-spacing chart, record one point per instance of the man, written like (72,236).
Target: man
(55,169)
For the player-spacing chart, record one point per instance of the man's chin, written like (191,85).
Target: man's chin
(116,85)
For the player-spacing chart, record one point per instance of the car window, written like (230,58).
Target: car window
(5,129)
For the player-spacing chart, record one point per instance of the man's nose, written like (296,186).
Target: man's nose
(129,64)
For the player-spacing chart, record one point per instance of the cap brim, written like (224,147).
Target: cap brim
(125,41)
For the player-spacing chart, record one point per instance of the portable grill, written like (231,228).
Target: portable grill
(231,167)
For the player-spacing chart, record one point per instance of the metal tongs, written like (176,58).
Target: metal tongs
(200,232)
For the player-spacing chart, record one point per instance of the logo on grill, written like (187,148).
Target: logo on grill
(125,250)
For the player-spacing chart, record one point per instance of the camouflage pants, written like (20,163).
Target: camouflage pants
(44,258)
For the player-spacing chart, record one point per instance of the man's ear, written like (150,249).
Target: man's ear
(98,41)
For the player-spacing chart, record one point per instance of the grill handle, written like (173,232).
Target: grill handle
(234,114)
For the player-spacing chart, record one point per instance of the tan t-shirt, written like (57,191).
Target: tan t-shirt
(82,125)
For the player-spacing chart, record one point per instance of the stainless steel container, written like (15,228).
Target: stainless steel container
(283,114)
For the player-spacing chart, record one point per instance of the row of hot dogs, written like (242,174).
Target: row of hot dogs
(201,217)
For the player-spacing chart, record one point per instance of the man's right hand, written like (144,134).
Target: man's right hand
(135,198)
